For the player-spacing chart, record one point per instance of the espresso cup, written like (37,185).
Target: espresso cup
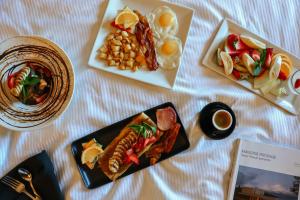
(222,120)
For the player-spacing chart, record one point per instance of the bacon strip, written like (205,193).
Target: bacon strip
(165,145)
(145,38)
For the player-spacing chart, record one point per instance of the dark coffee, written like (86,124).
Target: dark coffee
(222,119)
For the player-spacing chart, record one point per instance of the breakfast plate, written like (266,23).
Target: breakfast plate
(178,17)
(256,64)
(96,173)
(37,82)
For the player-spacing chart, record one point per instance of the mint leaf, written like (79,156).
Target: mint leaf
(33,80)
(257,70)
(263,56)
(152,128)
(142,129)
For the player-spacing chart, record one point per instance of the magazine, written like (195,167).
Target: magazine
(265,172)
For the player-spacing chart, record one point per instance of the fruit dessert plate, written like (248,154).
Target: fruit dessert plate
(258,65)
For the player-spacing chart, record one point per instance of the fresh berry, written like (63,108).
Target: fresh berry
(236,74)
(255,55)
(268,57)
(11,81)
(232,39)
(282,76)
(239,45)
(149,141)
(297,84)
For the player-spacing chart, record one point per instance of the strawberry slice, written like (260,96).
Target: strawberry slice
(238,53)
(255,55)
(126,160)
(240,45)
(232,39)
(297,84)
(131,157)
(282,76)
(11,81)
(235,43)
(134,158)
(149,141)
(236,74)
(269,52)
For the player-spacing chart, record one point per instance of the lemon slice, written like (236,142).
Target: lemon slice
(127,18)
(275,68)
(227,61)
(253,43)
(90,154)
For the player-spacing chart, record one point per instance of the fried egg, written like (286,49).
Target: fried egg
(163,21)
(168,52)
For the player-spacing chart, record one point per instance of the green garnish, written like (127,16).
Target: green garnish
(33,80)
(258,65)
(27,82)
(141,129)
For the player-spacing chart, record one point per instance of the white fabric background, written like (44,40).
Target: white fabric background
(100,99)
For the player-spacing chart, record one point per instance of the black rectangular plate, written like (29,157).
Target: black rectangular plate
(95,178)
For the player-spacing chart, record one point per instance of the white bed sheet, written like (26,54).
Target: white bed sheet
(100,98)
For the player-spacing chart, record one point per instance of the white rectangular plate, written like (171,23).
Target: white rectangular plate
(290,103)
(160,77)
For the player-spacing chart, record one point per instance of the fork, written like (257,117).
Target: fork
(16,185)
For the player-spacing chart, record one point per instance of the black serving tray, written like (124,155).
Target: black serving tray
(95,178)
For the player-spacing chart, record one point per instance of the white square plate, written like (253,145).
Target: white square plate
(160,77)
(290,103)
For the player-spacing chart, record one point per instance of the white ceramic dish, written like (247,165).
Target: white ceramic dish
(160,77)
(290,103)
(19,50)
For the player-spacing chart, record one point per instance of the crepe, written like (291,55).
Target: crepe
(109,150)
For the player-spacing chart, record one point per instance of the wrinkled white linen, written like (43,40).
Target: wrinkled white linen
(100,99)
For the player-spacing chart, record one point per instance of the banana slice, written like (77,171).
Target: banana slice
(219,59)
(227,61)
(248,62)
(240,68)
(275,68)
(253,43)
(271,85)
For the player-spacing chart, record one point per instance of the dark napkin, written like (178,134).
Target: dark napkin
(43,179)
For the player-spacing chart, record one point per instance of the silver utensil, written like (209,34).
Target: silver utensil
(16,185)
(26,175)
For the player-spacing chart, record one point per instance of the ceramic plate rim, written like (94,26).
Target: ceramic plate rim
(170,84)
(206,62)
(72,84)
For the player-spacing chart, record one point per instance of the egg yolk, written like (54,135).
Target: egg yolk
(169,47)
(166,19)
